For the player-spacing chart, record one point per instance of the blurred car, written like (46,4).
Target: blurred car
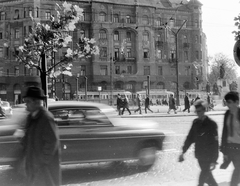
(6,108)
(92,132)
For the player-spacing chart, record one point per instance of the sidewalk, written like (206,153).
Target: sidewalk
(161,111)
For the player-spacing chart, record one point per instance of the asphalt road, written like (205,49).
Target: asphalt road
(167,171)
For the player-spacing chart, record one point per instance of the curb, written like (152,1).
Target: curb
(150,115)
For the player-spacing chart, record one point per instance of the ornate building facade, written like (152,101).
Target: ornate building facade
(136,39)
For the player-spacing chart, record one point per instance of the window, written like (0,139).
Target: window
(145,36)
(200,40)
(160,85)
(160,71)
(159,37)
(7,72)
(116,18)
(2,16)
(1,52)
(196,38)
(80,116)
(145,20)
(102,17)
(128,36)
(83,17)
(24,31)
(185,40)
(186,55)
(81,35)
(102,34)
(129,69)
(37,12)
(196,23)
(159,22)
(25,12)
(187,71)
(172,54)
(1,35)
(30,29)
(103,52)
(16,71)
(116,36)
(117,69)
(17,33)
(116,53)
(31,72)
(83,70)
(30,11)
(145,53)
(48,15)
(197,54)
(129,53)
(128,19)
(146,70)
(103,70)
(16,14)
(129,86)
(172,38)
(159,54)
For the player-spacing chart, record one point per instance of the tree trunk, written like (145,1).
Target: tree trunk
(43,76)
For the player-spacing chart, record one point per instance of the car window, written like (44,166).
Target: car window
(80,117)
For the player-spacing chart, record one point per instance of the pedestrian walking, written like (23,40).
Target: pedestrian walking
(147,104)
(119,104)
(230,144)
(139,104)
(172,104)
(186,103)
(40,143)
(126,105)
(208,101)
(204,134)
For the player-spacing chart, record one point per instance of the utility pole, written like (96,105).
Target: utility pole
(176,60)
(86,82)
(148,85)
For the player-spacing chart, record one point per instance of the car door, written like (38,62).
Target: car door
(84,134)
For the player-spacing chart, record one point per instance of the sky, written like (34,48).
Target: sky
(218,24)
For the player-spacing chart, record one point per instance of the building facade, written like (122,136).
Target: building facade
(136,39)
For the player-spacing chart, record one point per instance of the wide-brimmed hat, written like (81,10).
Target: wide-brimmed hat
(35,92)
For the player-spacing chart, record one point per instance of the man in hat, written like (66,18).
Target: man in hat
(41,142)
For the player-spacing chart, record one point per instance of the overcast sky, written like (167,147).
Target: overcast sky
(218,24)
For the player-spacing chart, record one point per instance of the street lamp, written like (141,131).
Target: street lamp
(111,80)
(86,82)
(175,33)
(77,85)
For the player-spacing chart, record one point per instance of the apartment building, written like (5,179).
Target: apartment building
(137,38)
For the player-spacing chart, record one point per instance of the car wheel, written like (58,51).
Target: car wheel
(147,156)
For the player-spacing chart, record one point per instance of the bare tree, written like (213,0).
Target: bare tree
(220,63)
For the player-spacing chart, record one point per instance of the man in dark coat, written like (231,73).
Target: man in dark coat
(126,105)
(172,104)
(147,103)
(230,144)
(139,104)
(186,103)
(204,134)
(119,104)
(41,143)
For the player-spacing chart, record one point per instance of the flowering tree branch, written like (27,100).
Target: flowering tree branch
(46,39)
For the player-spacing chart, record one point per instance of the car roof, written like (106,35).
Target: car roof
(60,104)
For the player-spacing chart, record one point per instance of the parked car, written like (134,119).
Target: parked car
(92,132)
(6,108)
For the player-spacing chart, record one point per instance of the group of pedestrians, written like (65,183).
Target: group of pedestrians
(123,103)
(204,133)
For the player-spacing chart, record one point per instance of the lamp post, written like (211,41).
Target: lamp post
(77,85)
(175,33)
